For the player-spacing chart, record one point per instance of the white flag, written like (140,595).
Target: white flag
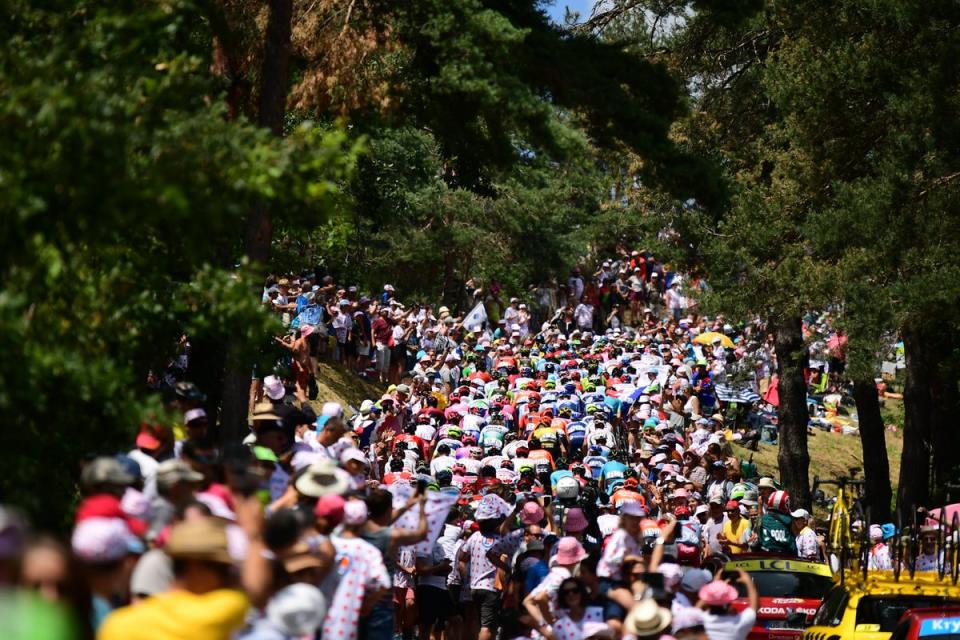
(475,319)
(438,506)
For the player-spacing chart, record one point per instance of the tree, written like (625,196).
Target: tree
(124,186)
(842,162)
(874,138)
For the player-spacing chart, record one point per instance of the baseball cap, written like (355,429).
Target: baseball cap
(332,410)
(695,579)
(202,539)
(170,472)
(104,505)
(194,414)
(152,436)
(104,540)
(353,454)
(273,387)
(330,506)
(355,512)
(297,609)
(104,470)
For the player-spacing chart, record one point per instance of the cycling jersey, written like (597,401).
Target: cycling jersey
(612,473)
(542,461)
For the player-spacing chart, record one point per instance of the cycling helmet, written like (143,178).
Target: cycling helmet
(568,488)
(738,491)
(779,501)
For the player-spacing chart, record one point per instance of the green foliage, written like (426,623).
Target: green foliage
(123,190)
(411,228)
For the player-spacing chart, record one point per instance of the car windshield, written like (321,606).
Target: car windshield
(788,584)
(886,611)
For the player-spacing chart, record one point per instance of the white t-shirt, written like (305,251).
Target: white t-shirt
(511,316)
(425,432)
(436,556)
(584,315)
(441,463)
(729,626)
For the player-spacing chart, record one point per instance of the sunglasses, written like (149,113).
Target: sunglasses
(567,592)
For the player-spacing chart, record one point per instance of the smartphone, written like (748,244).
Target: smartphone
(730,576)
(547,500)
(421,486)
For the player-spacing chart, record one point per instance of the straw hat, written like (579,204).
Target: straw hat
(322,478)
(647,618)
(203,539)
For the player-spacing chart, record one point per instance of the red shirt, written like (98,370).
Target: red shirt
(382,330)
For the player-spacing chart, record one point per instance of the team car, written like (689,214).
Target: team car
(790,590)
(870,609)
(939,623)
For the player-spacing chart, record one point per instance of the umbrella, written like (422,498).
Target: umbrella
(710,336)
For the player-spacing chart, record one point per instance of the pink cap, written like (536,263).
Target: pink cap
(570,551)
(576,521)
(330,506)
(532,513)
(718,593)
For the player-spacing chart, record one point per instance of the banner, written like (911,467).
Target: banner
(475,319)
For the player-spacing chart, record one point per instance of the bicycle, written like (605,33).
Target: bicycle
(847,510)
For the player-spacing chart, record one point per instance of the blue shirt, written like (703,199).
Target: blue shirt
(535,576)
(612,472)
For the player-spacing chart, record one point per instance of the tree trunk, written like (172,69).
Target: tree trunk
(943,426)
(914,487)
(206,371)
(793,458)
(275,71)
(274,83)
(876,468)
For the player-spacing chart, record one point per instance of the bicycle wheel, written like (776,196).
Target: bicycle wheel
(844,537)
(914,546)
(942,543)
(864,551)
(954,551)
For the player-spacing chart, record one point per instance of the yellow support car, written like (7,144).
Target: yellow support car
(869,609)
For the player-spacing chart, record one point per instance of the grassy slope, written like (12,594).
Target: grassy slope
(339,385)
(831,454)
